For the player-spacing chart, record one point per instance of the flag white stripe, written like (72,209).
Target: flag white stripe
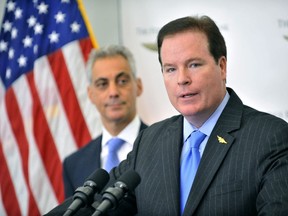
(2,209)
(53,108)
(44,176)
(39,181)
(13,160)
(76,67)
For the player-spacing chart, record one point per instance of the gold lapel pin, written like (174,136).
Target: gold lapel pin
(221,140)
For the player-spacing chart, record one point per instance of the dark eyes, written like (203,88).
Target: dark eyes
(120,81)
(169,70)
(191,65)
(101,84)
(194,65)
(123,81)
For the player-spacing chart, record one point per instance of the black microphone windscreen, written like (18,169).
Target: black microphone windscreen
(100,177)
(131,179)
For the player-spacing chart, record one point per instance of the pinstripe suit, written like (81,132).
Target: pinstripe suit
(246,176)
(243,174)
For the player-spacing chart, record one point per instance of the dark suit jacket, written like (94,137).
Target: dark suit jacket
(247,175)
(80,164)
(243,170)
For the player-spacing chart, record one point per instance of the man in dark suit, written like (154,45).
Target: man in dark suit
(113,89)
(244,158)
(244,154)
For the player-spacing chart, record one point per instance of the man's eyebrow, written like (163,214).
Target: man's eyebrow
(168,65)
(122,73)
(186,62)
(100,79)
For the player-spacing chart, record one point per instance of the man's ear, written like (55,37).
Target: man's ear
(223,67)
(90,93)
(139,86)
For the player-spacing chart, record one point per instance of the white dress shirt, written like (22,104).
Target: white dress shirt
(128,134)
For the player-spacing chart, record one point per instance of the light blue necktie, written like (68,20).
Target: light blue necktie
(114,145)
(189,166)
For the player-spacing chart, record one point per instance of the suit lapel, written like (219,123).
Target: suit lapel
(211,161)
(98,150)
(142,126)
(171,147)
(219,143)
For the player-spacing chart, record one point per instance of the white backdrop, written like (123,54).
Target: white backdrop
(255,34)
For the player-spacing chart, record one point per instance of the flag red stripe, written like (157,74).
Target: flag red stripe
(8,193)
(39,138)
(45,143)
(15,119)
(86,46)
(69,99)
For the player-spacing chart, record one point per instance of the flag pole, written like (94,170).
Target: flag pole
(88,25)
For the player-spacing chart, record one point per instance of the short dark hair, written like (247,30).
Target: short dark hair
(205,24)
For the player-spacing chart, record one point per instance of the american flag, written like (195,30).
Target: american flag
(44,111)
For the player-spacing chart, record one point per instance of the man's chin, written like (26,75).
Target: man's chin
(188,111)
(118,117)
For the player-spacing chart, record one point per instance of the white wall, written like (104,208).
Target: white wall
(254,31)
(257,49)
(104,18)
(2,5)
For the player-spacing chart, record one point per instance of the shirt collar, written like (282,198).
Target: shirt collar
(209,124)
(129,133)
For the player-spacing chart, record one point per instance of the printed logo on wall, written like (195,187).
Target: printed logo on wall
(283,24)
(241,33)
(150,46)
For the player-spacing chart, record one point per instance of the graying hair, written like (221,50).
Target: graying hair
(109,51)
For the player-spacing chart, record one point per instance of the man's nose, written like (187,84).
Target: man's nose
(184,77)
(113,90)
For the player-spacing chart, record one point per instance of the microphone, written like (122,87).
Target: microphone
(84,195)
(112,195)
